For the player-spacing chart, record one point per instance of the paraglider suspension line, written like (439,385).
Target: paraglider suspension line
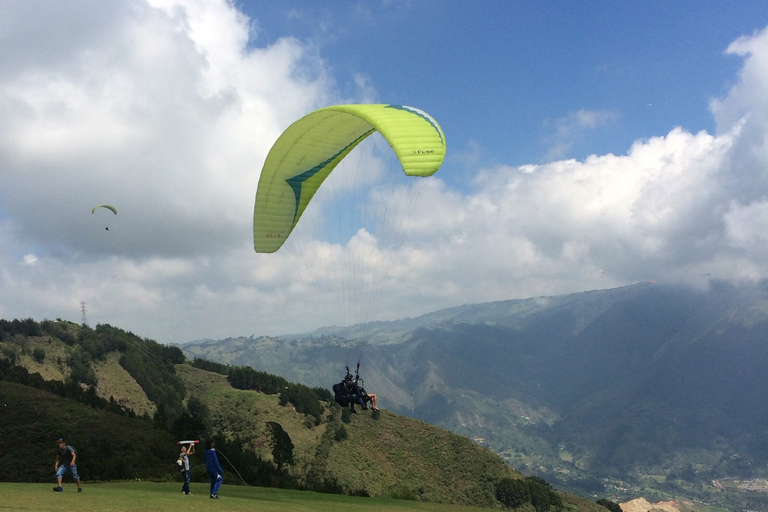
(233,466)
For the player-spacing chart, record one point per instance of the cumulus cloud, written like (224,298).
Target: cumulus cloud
(160,108)
(167,108)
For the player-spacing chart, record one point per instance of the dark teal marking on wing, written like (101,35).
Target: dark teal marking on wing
(296,181)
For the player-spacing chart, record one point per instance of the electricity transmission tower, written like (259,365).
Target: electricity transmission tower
(83,310)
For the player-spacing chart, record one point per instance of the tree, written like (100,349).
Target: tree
(304,399)
(197,409)
(613,507)
(512,492)
(282,446)
(38,355)
(543,497)
(194,422)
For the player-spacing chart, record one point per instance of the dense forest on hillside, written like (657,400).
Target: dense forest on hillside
(114,395)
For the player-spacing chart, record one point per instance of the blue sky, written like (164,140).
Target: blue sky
(590,145)
(500,75)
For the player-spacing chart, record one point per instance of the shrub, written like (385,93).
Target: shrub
(341,434)
(38,355)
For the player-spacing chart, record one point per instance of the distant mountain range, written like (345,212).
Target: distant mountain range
(649,386)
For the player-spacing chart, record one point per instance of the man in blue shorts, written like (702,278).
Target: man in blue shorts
(65,460)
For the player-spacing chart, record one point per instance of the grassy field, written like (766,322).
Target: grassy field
(147,496)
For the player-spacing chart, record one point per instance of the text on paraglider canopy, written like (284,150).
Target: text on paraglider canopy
(273,235)
(423,151)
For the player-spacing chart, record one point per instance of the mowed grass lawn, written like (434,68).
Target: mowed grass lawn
(148,496)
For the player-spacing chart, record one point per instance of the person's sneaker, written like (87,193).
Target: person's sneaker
(214,496)
(58,489)
(79,489)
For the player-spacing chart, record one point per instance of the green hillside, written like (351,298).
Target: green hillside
(109,446)
(645,390)
(122,401)
(378,454)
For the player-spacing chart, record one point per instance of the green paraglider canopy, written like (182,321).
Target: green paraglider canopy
(308,150)
(108,207)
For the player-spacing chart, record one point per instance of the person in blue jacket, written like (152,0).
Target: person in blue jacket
(213,467)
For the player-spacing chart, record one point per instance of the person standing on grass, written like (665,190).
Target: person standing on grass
(186,451)
(65,460)
(213,468)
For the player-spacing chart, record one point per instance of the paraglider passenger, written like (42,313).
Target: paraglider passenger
(371,398)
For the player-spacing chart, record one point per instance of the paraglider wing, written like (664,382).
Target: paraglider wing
(107,206)
(308,150)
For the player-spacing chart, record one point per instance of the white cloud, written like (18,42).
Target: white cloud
(167,109)
(159,108)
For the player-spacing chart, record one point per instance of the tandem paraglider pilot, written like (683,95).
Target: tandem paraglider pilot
(65,460)
(350,391)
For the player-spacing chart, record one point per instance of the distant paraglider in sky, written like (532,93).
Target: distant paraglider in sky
(108,207)
(308,150)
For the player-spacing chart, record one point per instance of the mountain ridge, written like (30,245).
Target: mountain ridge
(596,390)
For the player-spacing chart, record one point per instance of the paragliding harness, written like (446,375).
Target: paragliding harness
(350,391)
